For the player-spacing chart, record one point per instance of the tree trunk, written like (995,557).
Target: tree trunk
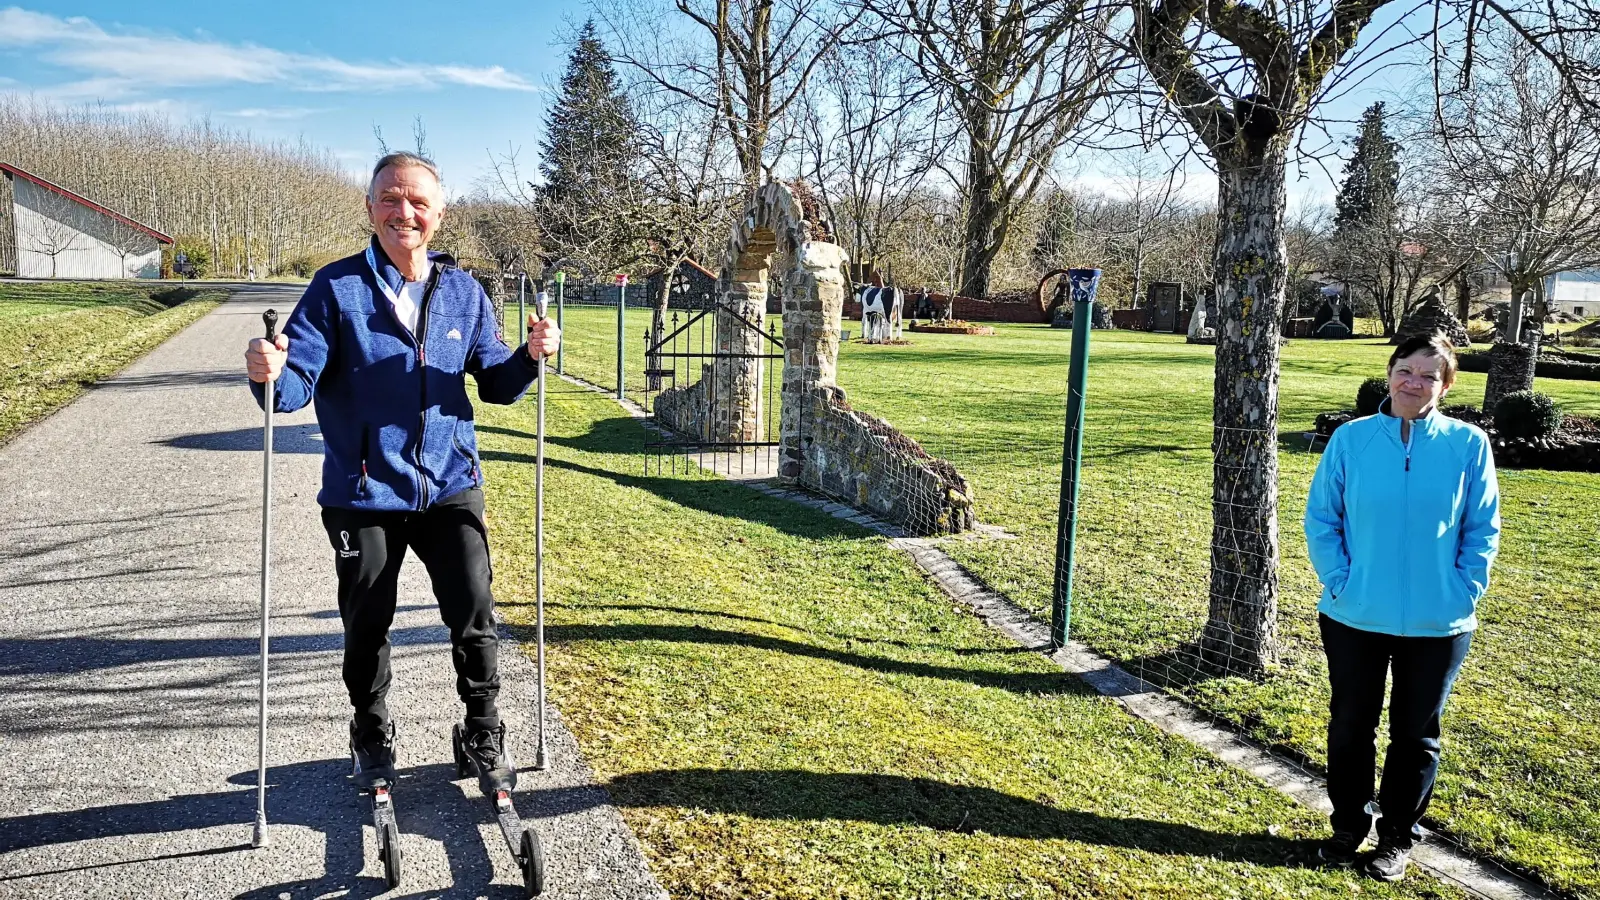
(1252,270)
(1511,362)
(983,235)
(1463,298)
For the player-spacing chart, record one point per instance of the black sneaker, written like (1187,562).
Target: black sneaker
(1388,862)
(485,753)
(1340,850)
(372,751)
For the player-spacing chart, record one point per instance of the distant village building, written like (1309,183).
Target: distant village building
(48,231)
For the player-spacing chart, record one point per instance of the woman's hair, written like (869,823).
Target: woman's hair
(1429,345)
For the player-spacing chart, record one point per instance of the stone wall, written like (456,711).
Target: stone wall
(834,450)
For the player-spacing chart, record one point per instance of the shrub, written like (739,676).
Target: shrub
(303,265)
(1371,395)
(198,251)
(1527,414)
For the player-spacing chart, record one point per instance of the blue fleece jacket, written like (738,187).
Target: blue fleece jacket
(1403,539)
(396,422)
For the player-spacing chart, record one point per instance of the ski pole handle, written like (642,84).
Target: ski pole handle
(270,317)
(541,304)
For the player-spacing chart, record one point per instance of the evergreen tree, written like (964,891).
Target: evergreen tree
(1367,231)
(588,158)
(1371,177)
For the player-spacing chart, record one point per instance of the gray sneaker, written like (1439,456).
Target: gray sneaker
(1388,862)
(1340,850)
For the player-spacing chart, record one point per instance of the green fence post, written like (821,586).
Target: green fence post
(561,306)
(622,304)
(1084,282)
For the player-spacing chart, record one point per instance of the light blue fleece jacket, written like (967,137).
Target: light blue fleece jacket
(1403,540)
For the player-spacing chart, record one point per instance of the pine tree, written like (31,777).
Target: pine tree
(588,156)
(1371,177)
(1367,234)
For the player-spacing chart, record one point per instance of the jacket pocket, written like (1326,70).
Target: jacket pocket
(472,459)
(366,449)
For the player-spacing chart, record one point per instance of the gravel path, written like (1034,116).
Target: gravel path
(129,540)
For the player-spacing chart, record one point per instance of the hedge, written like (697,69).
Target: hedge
(1546,367)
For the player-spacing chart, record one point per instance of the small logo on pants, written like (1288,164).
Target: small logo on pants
(346,553)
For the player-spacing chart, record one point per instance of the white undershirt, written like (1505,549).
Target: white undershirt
(409,301)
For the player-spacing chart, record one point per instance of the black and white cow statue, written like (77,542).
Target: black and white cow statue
(880,314)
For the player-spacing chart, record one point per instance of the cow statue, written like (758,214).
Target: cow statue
(880,314)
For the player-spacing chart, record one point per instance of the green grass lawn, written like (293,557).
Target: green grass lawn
(56,339)
(1521,773)
(782,706)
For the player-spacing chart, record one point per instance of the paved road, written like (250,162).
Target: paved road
(129,540)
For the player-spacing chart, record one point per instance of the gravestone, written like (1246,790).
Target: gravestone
(1165,302)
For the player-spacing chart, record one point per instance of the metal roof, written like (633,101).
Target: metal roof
(79,198)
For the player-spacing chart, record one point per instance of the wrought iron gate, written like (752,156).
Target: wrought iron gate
(711,390)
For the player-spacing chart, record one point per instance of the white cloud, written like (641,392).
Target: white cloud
(124,63)
(274,112)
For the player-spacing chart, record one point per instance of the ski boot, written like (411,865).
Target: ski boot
(372,755)
(483,753)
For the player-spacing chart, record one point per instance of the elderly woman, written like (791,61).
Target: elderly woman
(1402,524)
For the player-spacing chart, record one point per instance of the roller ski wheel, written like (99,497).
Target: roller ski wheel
(389,852)
(388,829)
(532,863)
(464,768)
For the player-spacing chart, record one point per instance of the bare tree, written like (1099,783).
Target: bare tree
(248,202)
(1519,152)
(869,142)
(744,61)
(1022,78)
(1149,194)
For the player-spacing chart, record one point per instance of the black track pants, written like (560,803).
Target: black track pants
(451,540)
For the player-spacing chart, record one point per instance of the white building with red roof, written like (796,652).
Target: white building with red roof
(56,233)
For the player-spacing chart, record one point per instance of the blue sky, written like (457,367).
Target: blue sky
(478,73)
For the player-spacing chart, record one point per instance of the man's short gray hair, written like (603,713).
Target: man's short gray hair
(402,159)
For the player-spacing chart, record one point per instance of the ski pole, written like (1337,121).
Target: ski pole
(259,838)
(541,305)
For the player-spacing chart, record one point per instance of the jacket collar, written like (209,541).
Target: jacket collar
(1428,424)
(390,274)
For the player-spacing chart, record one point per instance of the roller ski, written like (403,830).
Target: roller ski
(372,764)
(483,754)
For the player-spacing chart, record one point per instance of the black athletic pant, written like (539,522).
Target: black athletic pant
(451,540)
(1424,670)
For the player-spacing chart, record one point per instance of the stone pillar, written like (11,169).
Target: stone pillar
(1511,369)
(813,305)
(736,379)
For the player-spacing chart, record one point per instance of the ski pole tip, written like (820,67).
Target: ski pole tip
(258,838)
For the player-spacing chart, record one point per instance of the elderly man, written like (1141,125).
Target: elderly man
(381,342)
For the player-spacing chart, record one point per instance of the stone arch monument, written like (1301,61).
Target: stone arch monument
(825,445)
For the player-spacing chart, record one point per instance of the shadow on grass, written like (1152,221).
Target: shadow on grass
(719,614)
(715,496)
(1037,683)
(895,800)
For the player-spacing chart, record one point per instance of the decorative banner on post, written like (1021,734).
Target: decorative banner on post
(1085,284)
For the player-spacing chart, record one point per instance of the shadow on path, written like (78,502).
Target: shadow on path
(315,795)
(285,439)
(68,655)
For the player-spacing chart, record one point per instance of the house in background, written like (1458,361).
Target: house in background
(47,231)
